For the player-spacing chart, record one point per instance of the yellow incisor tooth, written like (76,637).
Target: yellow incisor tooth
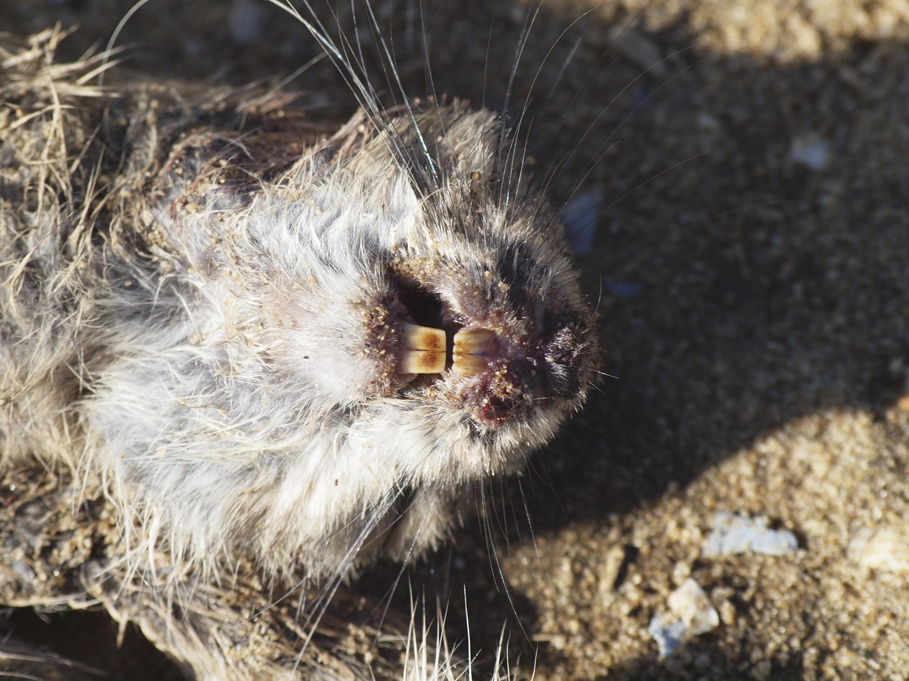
(423,350)
(472,341)
(415,337)
(468,365)
(469,346)
(421,362)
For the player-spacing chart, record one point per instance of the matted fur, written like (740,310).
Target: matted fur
(203,297)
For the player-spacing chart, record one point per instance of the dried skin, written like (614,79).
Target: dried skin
(216,301)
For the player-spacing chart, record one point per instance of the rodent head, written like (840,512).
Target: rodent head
(470,309)
(395,312)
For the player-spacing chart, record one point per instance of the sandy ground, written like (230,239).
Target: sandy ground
(748,161)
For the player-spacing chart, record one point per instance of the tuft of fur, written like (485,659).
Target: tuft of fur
(203,304)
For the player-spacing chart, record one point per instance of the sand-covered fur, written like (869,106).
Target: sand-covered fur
(207,296)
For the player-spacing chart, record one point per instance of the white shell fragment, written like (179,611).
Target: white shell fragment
(690,614)
(668,636)
(884,548)
(738,534)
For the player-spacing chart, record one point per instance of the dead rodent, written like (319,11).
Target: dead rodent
(283,341)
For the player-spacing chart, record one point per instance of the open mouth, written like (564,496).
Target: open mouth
(499,370)
(435,342)
(497,351)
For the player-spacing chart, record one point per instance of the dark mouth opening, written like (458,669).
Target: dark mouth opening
(496,378)
(427,308)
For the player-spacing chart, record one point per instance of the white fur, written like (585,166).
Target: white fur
(225,358)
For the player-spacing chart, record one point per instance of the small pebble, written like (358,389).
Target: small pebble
(690,613)
(810,150)
(903,403)
(737,534)
(668,636)
(883,548)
